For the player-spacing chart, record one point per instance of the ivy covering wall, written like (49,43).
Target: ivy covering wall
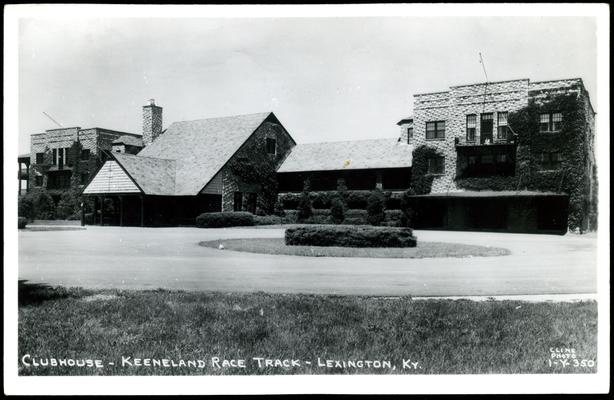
(572,175)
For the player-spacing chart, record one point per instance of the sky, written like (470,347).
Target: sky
(325,78)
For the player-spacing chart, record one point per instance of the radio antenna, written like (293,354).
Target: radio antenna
(56,122)
(483,67)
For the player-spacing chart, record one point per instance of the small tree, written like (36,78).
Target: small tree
(337,210)
(375,207)
(408,208)
(305,208)
(68,205)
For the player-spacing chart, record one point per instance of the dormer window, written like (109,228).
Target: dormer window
(271,146)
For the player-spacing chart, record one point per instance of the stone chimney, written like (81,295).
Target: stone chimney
(152,122)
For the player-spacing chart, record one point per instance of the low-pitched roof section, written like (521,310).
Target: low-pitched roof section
(356,154)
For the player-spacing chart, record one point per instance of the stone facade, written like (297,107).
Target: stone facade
(232,184)
(82,151)
(576,173)
(452,107)
(152,122)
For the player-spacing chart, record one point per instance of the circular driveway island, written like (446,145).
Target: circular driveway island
(170,258)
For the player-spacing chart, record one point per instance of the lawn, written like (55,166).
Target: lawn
(422,250)
(322,334)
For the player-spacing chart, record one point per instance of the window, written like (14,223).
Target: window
(550,161)
(410,134)
(38,180)
(271,146)
(67,157)
(435,165)
(238,201)
(251,202)
(85,154)
(40,158)
(501,158)
(551,122)
(436,130)
(486,125)
(54,154)
(471,125)
(502,125)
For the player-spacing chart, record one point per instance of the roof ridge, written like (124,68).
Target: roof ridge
(350,140)
(138,156)
(224,117)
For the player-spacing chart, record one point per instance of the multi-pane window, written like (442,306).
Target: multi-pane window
(550,161)
(60,156)
(410,134)
(436,130)
(238,201)
(471,125)
(551,122)
(271,146)
(40,158)
(502,125)
(436,165)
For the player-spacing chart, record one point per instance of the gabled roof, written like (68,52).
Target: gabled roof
(356,154)
(154,176)
(129,140)
(183,159)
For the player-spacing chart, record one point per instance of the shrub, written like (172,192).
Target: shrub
(224,219)
(337,210)
(44,207)
(74,217)
(305,208)
(407,208)
(375,207)
(279,209)
(21,222)
(68,205)
(89,218)
(25,207)
(350,236)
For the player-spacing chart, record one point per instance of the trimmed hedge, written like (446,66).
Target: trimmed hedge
(224,219)
(350,236)
(21,222)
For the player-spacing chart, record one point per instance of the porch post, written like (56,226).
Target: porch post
(142,211)
(95,211)
(19,176)
(28,176)
(101,210)
(82,212)
(121,211)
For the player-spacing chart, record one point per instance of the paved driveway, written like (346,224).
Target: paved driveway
(150,258)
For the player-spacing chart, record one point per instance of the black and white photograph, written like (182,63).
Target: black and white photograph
(306,199)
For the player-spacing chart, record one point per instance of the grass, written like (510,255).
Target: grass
(442,336)
(423,250)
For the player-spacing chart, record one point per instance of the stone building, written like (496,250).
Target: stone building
(64,157)
(215,164)
(511,155)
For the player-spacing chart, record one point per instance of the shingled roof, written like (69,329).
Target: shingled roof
(356,154)
(129,140)
(183,159)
